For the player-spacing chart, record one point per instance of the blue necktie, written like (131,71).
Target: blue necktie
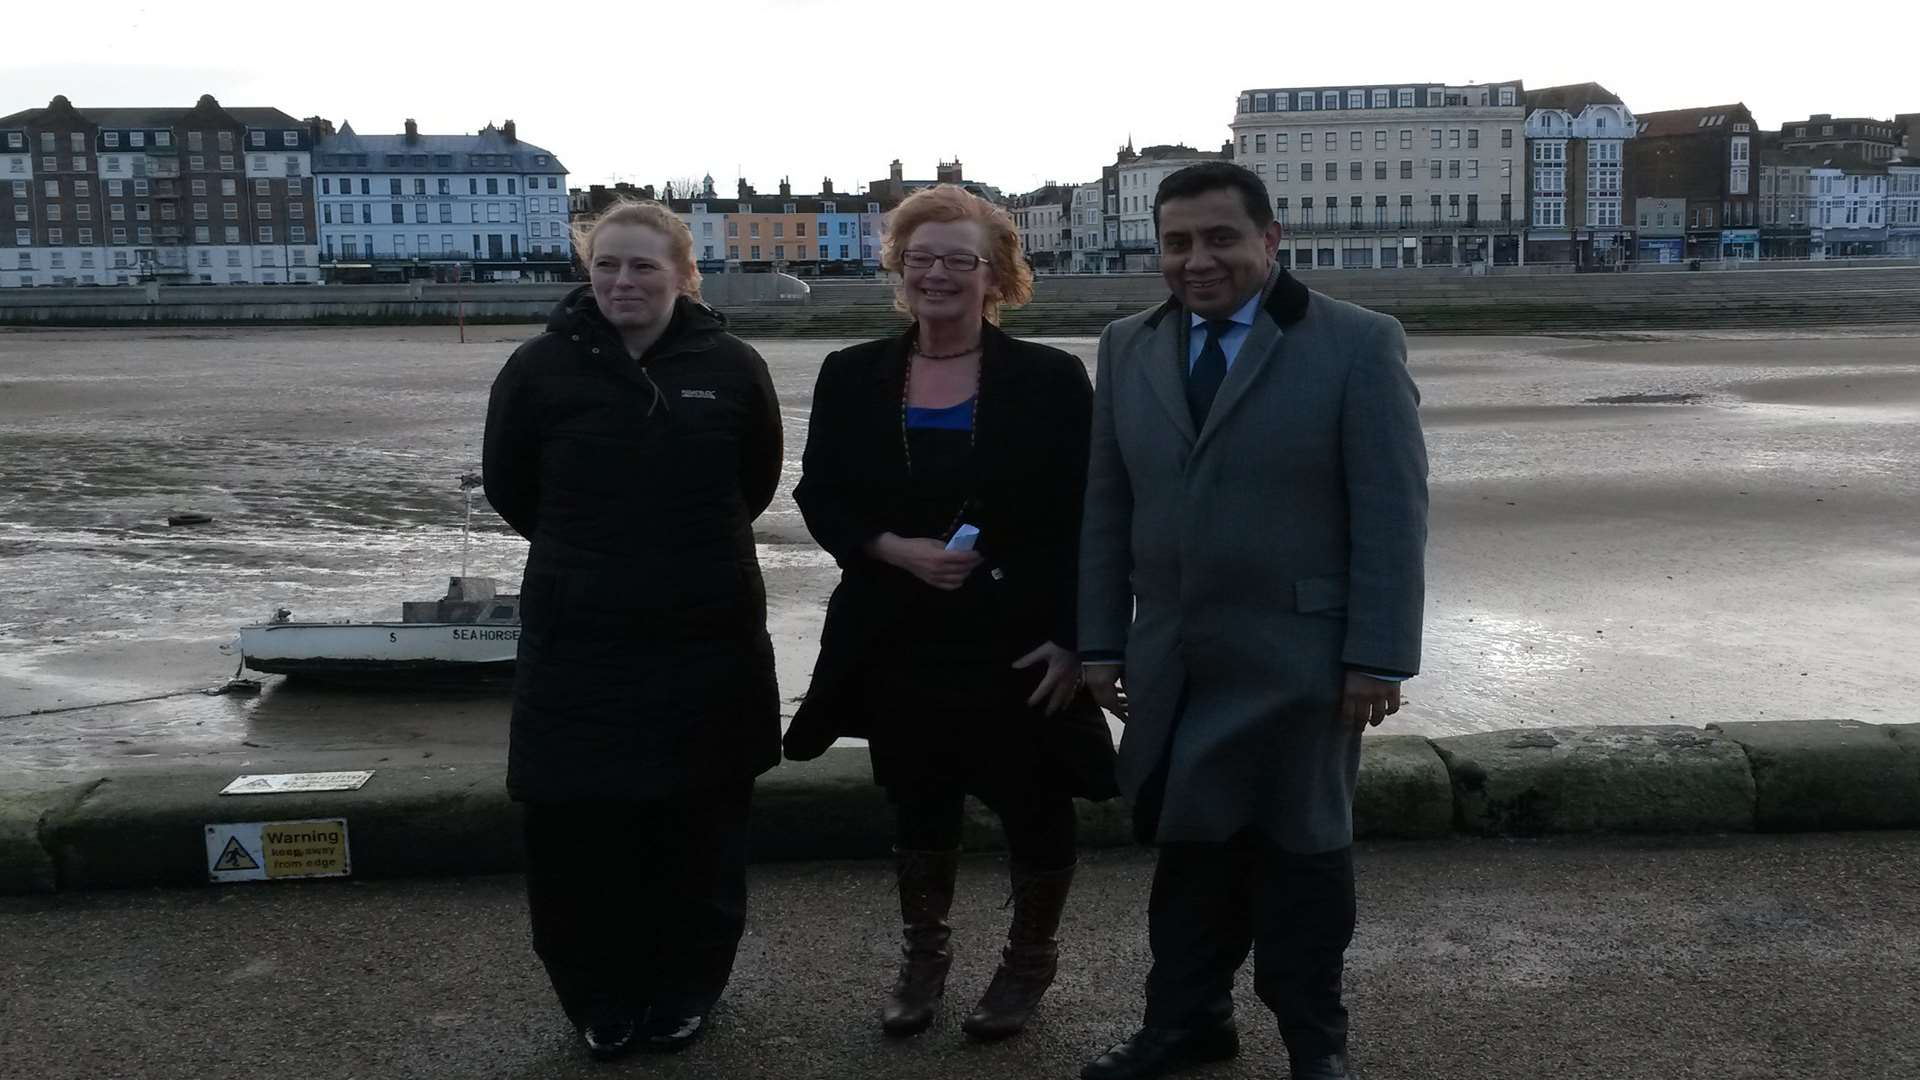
(1209,371)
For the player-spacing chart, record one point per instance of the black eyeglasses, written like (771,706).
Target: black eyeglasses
(957,261)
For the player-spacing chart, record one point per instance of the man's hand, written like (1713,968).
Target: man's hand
(1061,681)
(1368,700)
(926,559)
(1107,684)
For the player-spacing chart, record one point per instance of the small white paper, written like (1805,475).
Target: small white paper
(963,538)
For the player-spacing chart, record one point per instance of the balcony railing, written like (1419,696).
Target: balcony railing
(1395,225)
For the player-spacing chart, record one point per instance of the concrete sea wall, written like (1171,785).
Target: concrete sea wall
(146,827)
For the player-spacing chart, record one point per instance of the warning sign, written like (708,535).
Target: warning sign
(273,850)
(235,857)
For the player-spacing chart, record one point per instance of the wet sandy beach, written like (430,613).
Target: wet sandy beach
(1632,529)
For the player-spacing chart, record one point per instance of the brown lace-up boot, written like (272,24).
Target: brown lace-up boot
(1031,957)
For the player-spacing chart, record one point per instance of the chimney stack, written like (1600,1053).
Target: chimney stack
(786,188)
(826,185)
(895,172)
(413,132)
(511,132)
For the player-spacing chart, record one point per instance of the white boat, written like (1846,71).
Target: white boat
(472,632)
(472,629)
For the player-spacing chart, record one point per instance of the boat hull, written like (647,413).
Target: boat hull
(380,649)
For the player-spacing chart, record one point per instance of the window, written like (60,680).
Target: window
(1404,99)
(1259,143)
(1306,212)
(1433,168)
(226,139)
(294,186)
(493,185)
(115,211)
(1434,202)
(1331,140)
(226,163)
(230,211)
(1356,170)
(1306,172)
(1379,170)
(79,141)
(326,213)
(86,237)
(196,163)
(1353,140)
(202,235)
(112,139)
(1453,169)
(23,237)
(1453,139)
(1433,138)
(233,234)
(1406,168)
(1281,173)
(446,213)
(366,214)
(54,212)
(266,234)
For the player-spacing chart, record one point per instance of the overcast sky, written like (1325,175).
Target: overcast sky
(1021,93)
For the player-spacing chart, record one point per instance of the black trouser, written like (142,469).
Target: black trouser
(1212,903)
(639,904)
(1040,826)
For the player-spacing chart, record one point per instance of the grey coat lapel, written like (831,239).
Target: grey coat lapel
(1165,347)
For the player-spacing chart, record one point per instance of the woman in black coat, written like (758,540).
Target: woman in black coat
(633,444)
(957,666)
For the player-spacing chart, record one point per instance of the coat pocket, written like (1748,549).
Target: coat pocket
(1323,595)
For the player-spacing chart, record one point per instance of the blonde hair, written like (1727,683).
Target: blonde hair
(652,215)
(1012,278)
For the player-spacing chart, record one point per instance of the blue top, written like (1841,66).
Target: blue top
(952,418)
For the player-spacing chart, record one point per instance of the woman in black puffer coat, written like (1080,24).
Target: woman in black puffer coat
(633,444)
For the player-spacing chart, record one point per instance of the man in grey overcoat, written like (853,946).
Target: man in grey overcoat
(1251,583)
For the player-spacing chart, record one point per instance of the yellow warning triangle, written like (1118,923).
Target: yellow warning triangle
(235,857)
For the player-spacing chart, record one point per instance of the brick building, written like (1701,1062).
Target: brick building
(115,196)
(1709,158)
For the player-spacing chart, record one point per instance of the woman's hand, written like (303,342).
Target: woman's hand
(926,558)
(1061,681)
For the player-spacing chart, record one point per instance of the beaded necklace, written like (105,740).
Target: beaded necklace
(973,425)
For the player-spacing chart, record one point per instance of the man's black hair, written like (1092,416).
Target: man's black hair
(1216,176)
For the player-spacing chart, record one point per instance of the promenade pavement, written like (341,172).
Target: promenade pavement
(1709,958)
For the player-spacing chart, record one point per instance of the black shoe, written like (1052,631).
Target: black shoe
(610,1038)
(671,1034)
(1157,1051)
(1324,1067)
